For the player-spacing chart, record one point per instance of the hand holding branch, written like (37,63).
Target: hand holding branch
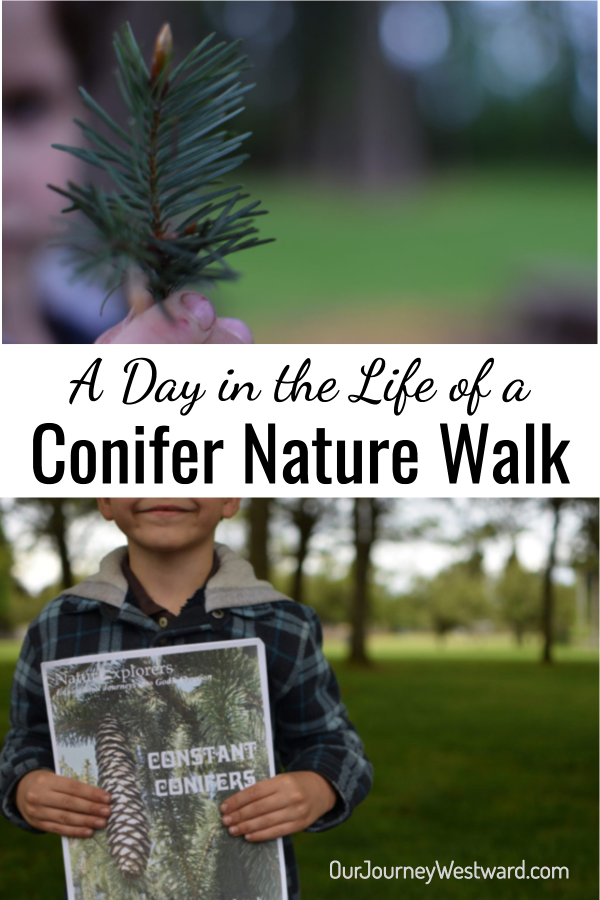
(184,318)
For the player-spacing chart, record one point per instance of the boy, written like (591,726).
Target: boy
(173,585)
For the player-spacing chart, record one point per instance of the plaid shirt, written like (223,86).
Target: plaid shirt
(311,729)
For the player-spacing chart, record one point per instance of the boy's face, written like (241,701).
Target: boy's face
(168,525)
(39,99)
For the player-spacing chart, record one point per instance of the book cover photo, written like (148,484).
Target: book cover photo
(169,733)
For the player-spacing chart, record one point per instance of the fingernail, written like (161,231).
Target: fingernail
(238,329)
(224,807)
(100,823)
(227,820)
(200,308)
(107,798)
(105,810)
(88,832)
(234,829)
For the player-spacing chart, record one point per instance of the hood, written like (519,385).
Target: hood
(234,584)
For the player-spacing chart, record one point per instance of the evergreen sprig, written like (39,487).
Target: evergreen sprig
(167,215)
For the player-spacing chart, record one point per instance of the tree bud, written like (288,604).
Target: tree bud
(163,50)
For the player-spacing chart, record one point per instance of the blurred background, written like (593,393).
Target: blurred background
(439,142)
(429,167)
(464,634)
(515,578)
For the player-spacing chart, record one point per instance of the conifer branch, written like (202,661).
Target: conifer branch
(167,214)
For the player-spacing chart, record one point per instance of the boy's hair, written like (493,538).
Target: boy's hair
(86,31)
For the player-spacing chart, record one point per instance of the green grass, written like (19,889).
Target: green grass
(452,245)
(427,646)
(9,651)
(494,761)
(473,761)
(411,645)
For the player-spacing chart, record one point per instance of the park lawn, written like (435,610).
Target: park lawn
(451,247)
(493,761)
(466,646)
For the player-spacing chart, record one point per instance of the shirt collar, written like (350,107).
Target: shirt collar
(142,598)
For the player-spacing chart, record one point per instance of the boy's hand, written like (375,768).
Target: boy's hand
(185,318)
(281,805)
(63,806)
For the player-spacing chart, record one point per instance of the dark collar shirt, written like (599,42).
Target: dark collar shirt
(139,596)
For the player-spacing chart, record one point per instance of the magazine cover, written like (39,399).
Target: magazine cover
(169,733)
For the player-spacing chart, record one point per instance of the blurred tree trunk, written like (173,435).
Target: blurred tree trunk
(594,595)
(390,145)
(586,562)
(354,114)
(548,598)
(57,532)
(6,578)
(366,512)
(305,517)
(259,513)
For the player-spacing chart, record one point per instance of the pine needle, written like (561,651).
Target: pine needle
(165,216)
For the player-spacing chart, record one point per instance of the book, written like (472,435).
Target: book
(169,733)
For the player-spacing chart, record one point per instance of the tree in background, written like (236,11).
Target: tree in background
(556,506)
(456,597)
(6,580)
(358,595)
(375,91)
(354,131)
(517,594)
(50,519)
(308,515)
(329,595)
(367,513)
(366,520)
(327,100)
(259,514)
(584,558)
(508,518)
